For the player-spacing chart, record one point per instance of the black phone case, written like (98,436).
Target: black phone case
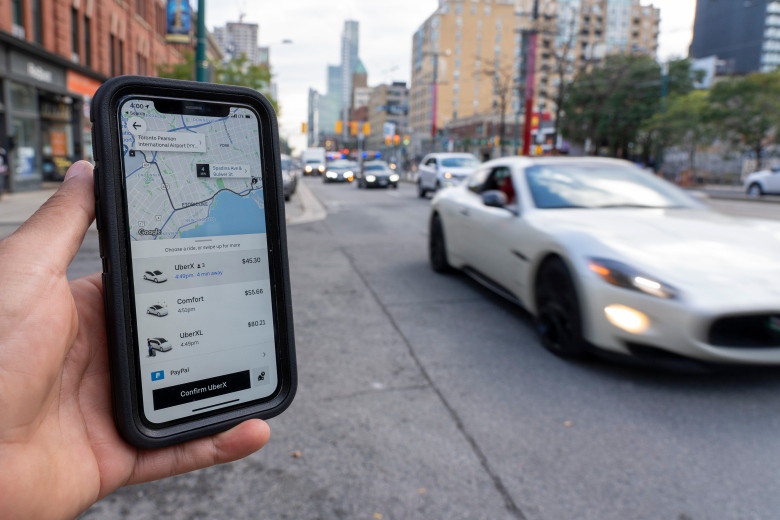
(112,226)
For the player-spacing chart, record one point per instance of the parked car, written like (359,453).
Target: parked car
(160,344)
(157,310)
(614,260)
(377,174)
(441,170)
(155,276)
(339,171)
(289,176)
(765,182)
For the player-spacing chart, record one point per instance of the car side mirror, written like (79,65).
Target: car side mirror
(494,199)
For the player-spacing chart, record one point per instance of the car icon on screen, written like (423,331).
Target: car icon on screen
(157,310)
(155,276)
(160,344)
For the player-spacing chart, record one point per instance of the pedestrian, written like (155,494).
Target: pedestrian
(60,450)
(152,353)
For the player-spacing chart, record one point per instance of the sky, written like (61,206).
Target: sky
(386,29)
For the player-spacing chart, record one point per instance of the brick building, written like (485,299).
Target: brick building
(54,54)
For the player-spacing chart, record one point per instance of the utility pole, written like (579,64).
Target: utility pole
(201,64)
(664,89)
(434,95)
(530,79)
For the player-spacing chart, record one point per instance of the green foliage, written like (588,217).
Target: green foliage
(610,103)
(237,71)
(746,111)
(184,70)
(686,122)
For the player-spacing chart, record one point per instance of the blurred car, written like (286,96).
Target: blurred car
(314,167)
(377,174)
(765,182)
(442,170)
(339,171)
(160,344)
(155,276)
(611,259)
(289,176)
(157,310)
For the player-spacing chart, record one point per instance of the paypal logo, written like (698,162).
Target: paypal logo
(157,376)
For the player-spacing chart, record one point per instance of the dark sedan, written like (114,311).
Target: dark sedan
(377,174)
(339,171)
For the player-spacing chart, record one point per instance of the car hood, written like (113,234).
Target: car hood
(458,172)
(708,254)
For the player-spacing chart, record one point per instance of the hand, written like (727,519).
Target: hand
(59,448)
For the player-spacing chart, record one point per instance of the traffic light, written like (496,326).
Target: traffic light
(396,139)
(339,127)
(366,129)
(407,140)
(353,128)
(304,128)
(388,140)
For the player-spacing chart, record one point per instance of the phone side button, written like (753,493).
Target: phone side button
(96,177)
(98,222)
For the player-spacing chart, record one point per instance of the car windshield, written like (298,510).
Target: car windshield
(460,162)
(600,186)
(340,165)
(375,167)
(161,340)
(157,272)
(313,161)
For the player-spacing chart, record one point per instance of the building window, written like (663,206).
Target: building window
(37,22)
(140,8)
(87,43)
(17,13)
(74,34)
(120,57)
(111,60)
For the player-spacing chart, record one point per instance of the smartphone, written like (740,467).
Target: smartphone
(190,211)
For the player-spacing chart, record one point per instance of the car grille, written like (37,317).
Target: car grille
(748,331)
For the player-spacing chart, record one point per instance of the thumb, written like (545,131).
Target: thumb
(53,235)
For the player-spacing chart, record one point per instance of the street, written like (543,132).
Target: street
(426,396)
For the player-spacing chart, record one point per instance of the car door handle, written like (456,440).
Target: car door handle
(465,212)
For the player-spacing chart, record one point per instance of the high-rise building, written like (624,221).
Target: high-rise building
(330,104)
(313,119)
(388,103)
(349,62)
(478,49)
(239,38)
(744,34)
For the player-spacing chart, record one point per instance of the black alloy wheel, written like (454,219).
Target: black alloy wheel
(558,317)
(437,247)
(755,190)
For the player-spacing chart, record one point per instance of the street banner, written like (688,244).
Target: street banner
(388,130)
(179,24)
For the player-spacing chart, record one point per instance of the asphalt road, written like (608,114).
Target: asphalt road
(425,396)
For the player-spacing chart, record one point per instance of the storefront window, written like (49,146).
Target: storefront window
(23,98)
(23,153)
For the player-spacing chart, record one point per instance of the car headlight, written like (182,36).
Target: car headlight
(331,175)
(370,178)
(394,178)
(321,169)
(308,169)
(348,174)
(622,275)
(448,175)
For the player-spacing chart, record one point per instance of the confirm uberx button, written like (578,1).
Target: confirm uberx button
(203,389)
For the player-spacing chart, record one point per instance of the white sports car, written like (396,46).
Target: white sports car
(610,258)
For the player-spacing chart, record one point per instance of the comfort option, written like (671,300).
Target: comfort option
(198,390)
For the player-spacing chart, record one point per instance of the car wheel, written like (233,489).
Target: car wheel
(421,192)
(155,280)
(755,190)
(395,186)
(287,198)
(558,317)
(437,248)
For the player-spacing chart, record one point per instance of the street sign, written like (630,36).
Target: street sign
(388,130)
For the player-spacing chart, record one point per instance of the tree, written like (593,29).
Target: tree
(609,104)
(184,70)
(745,110)
(686,122)
(237,71)
(503,84)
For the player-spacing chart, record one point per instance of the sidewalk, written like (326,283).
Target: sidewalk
(15,208)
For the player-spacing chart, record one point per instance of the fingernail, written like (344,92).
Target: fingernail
(75,170)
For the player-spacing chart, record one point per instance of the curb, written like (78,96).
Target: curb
(313,209)
(743,198)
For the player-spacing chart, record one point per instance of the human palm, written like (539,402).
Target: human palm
(59,448)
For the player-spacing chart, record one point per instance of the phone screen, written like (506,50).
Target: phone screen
(199,256)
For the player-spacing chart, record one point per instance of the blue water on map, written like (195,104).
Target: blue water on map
(232,215)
